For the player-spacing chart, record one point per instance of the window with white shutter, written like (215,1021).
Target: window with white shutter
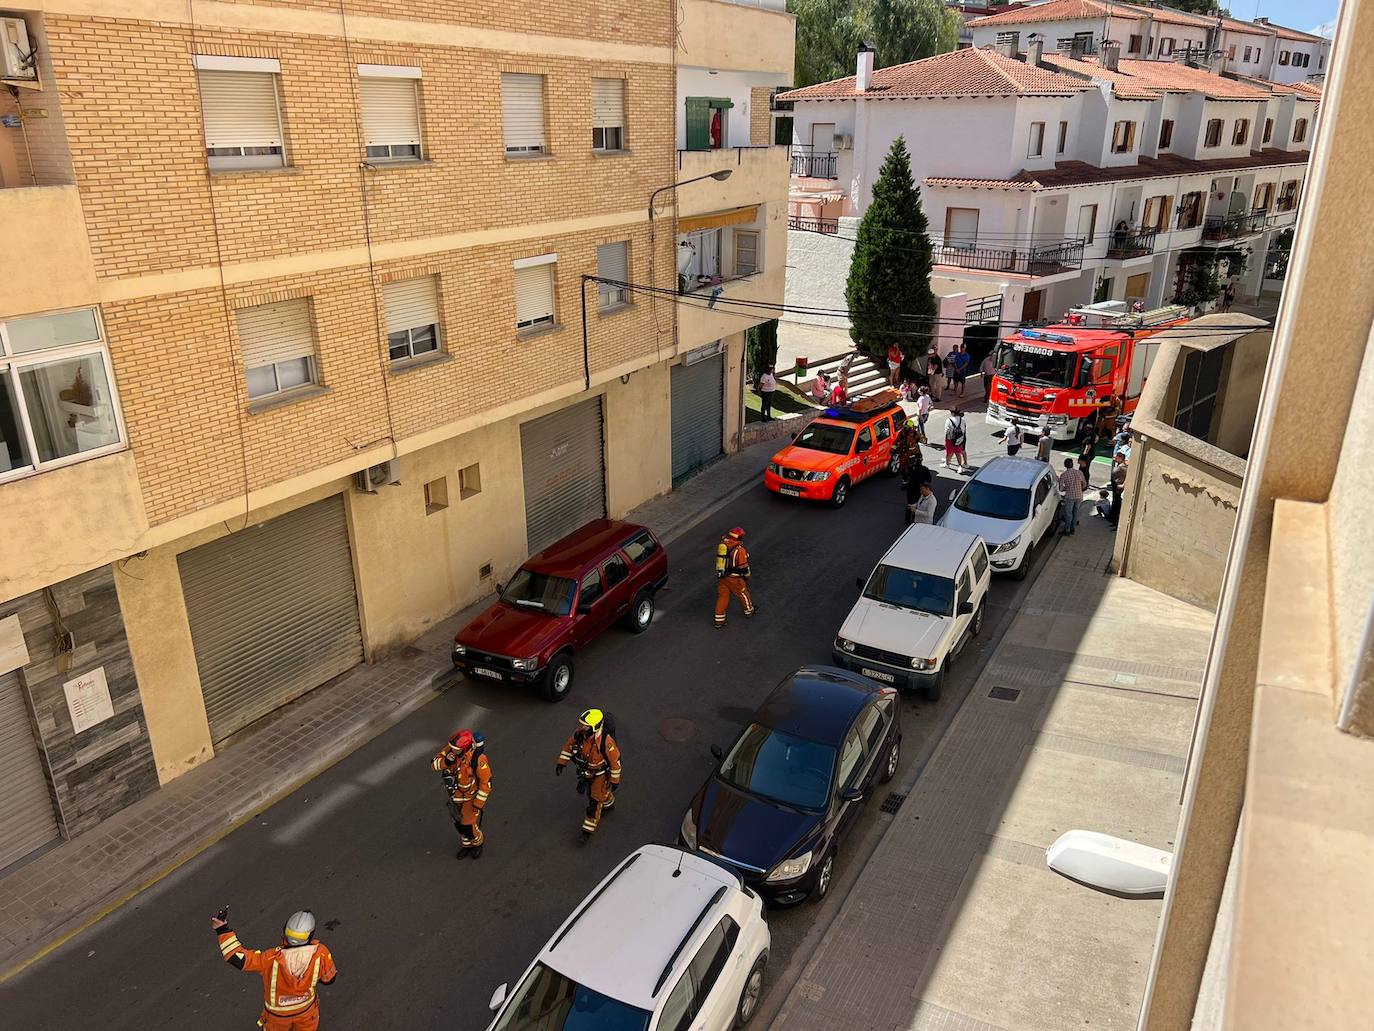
(239,105)
(746,252)
(534,289)
(391,112)
(522,112)
(613,262)
(412,317)
(278,345)
(608,114)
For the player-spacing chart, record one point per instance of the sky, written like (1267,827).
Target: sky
(1297,14)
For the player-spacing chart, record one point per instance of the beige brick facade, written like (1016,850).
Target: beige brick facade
(760,116)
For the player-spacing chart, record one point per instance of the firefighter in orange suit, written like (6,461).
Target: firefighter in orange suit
(291,972)
(732,575)
(467,777)
(597,757)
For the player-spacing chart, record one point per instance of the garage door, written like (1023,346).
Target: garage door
(273,613)
(565,472)
(27,822)
(698,414)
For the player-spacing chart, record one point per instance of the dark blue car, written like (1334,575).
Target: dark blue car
(784,794)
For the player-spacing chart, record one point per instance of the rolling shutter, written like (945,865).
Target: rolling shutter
(613,261)
(533,294)
(273,613)
(608,103)
(271,333)
(240,109)
(698,414)
(522,110)
(565,473)
(27,822)
(411,303)
(698,123)
(391,112)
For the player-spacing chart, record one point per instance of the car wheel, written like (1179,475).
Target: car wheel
(894,463)
(894,759)
(841,493)
(1026,560)
(976,627)
(558,677)
(824,876)
(937,683)
(753,992)
(641,612)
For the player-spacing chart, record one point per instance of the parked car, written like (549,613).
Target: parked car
(1012,503)
(782,797)
(836,451)
(667,941)
(559,601)
(922,602)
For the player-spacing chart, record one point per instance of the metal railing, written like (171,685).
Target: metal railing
(983,309)
(740,155)
(828,226)
(1133,242)
(814,164)
(1027,259)
(1234,225)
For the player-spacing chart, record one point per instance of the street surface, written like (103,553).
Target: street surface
(421,940)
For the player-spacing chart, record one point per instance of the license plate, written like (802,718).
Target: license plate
(886,678)
(486,672)
(791,492)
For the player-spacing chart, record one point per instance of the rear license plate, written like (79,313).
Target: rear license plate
(791,492)
(886,678)
(486,672)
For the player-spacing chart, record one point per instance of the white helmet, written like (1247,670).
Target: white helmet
(300,928)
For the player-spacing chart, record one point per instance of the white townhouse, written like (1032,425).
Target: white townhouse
(1051,180)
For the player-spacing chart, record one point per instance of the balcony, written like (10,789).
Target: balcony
(814,164)
(60,273)
(758,175)
(1131,242)
(1232,227)
(1028,258)
(758,35)
(824,226)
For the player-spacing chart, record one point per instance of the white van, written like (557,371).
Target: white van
(923,600)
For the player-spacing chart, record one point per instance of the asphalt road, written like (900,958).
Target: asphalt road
(421,939)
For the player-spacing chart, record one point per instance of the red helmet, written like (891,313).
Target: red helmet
(737,533)
(461,739)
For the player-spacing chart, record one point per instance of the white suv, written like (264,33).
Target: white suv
(922,601)
(1012,503)
(669,941)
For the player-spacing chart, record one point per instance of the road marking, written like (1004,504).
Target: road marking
(384,769)
(332,801)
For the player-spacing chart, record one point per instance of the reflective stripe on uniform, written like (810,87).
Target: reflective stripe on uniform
(229,946)
(289,1005)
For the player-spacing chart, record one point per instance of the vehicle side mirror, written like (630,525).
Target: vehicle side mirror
(861,447)
(851,795)
(583,607)
(500,589)
(718,752)
(966,608)
(859,582)
(498,996)
(792,437)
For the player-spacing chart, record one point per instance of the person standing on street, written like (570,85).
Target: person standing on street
(989,369)
(732,575)
(467,778)
(1013,439)
(767,384)
(956,435)
(1045,444)
(922,510)
(1118,485)
(894,363)
(593,749)
(924,403)
(1071,487)
(934,373)
(963,365)
(291,972)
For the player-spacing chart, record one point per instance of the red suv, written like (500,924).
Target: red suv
(559,600)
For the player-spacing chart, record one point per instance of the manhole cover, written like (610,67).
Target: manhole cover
(1005,694)
(892,803)
(676,729)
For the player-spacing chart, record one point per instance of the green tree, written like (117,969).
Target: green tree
(829,33)
(908,30)
(889,274)
(1203,7)
(828,38)
(761,348)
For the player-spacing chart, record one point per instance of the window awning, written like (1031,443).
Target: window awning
(737,217)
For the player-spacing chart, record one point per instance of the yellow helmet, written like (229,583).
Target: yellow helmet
(592,719)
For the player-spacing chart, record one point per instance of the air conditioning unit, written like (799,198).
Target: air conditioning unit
(374,476)
(843,141)
(17,57)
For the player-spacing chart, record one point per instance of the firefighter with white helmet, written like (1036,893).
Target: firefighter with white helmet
(291,972)
(593,750)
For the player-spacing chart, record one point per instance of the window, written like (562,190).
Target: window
(1037,140)
(614,571)
(965,591)
(1288,195)
(1283,57)
(1240,132)
(1231,52)
(1087,222)
(1133,45)
(436,495)
(746,252)
(1063,138)
(1264,196)
(1123,137)
(608,114)
(1197,393)
(1246,58)
(1268,130)
(641,547)
(469,480)
(1166,45)
(1213,136)
(698,257)
(1166,133)
(522,113)
(412,317)
(707,125)
(1150,45)
(239,107)
(390,98)
(1300,130)
(680,1008)
(873,728)
(961,227)
(884,429)
(534,282)
(980,560)
(57,398)
(850,755)
(865,440)
(278,345)
(1042,490)
(711,958)
(590,588)
(1259,52)
(613,262)
(545,998)
(1157,212)
(1190,210)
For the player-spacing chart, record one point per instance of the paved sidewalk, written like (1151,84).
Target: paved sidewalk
(76,883)
(956,924)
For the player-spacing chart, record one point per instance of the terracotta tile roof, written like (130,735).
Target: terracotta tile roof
(1168,17)
(1125,86)
(1284,32)
(958,73)
(1087,10)
(1078,173)
(983,184)
(1245,27)
(1179,78)
(1305,90)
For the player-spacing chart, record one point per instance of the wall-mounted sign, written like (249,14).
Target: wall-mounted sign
(13,652)
(88,699)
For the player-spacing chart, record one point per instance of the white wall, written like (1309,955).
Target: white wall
(806,114)
(1261,49)
(1319,55)
(699,82)
(1052,31)
(1051,111)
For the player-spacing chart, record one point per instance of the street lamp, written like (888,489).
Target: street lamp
(719,177)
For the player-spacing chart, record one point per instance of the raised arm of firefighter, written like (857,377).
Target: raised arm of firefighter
(257,961)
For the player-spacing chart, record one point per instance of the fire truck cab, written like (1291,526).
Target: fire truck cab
(1058,378)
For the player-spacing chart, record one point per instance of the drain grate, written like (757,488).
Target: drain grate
(1005,694)
(892,803)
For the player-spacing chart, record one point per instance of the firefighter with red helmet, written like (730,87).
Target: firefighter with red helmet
(732,575)
(467,779)
(593,750)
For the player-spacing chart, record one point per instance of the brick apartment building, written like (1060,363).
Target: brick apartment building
(298,355)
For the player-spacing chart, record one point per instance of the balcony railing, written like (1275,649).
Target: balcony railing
(1029,259)
(828,226)
(808,164)
(1133,242)
(1235,225)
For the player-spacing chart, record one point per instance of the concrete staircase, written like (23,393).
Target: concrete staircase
(866,375)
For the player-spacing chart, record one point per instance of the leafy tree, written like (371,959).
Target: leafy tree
(829,33)
(908,30)
(828,38)
(1203,7)
(889,274)
(761,348)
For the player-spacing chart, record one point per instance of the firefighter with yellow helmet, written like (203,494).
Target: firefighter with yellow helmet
(593,750)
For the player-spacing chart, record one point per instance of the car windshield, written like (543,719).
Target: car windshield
(994,500)
(548,1001)
(822,436)
(780,767)
(908,589)
(528,590)
(1031,363)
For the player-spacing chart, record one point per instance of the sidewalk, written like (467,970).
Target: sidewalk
(956,923)
(78,882)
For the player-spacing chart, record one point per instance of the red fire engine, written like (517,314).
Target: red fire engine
(1059,377)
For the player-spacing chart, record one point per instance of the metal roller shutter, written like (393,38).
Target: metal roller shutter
(391,112)
(277,332)
(608,103)
(565,473)
(522,111)
(27,822)
(273,613)
(240,109)
(411,303)
(698,414)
